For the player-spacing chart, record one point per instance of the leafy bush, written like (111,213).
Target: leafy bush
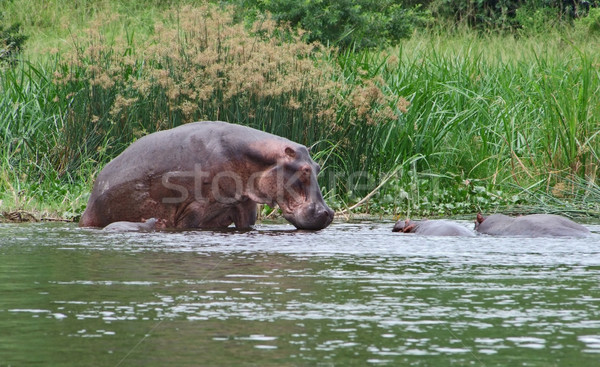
(357,23)
(478,14)
(591,23)
(375,23)
(509,14)
(538,21)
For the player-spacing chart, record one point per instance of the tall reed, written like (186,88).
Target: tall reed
(501,113)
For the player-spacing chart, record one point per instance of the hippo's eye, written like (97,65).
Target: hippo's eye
(317,169)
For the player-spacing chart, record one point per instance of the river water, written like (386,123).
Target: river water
(354,294)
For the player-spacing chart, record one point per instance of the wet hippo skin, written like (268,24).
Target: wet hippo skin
(432,228)
(533,225)
(208,174)
(148,225)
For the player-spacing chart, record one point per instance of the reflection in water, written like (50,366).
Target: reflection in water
(353,294)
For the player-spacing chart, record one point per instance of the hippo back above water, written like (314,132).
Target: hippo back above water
(148,225)
(533,225)
(208,174)
(432,228)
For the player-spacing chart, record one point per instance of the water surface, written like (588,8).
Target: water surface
(352,294)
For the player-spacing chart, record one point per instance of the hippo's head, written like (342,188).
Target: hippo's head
(291,182)
(160,224)
(151,222)
(405,226)
(154,224)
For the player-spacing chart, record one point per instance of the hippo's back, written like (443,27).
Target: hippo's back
(180,149)
(442,228)
(124,226)
(540,225)
(533,225)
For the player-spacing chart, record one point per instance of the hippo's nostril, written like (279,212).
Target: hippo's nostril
(325,213)
(330,213)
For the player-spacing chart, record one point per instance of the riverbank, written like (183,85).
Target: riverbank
(442,124)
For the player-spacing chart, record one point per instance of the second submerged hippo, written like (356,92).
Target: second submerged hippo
(533,225)
(148,225)
(432,228)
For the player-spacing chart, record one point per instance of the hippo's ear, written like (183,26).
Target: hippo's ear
(480,218)
(290,152)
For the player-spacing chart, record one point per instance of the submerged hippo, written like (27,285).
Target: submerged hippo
(208,174)
(534,225)
(148,225)
(432,228)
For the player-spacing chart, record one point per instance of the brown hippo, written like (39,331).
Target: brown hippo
(533,225)
(432,228)
(148,225)
(208,174)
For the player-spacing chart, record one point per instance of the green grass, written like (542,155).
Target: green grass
(52,24)
(452,123)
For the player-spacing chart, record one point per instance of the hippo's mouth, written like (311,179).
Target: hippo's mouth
(310,216)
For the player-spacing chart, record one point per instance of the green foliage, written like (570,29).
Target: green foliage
(536,21)
(591,22)
(533,15)
(357,23)
(479,14)
(484,126)
(371,24)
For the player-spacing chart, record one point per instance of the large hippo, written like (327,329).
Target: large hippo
(208,174)
(148,225)
(432,228)
(533,225)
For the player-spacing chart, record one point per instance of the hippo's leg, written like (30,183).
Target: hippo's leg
(221,221)
(242,215)
(245,214)
(190,216)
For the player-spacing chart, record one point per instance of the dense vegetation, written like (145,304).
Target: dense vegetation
(369,23)
(442,120)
